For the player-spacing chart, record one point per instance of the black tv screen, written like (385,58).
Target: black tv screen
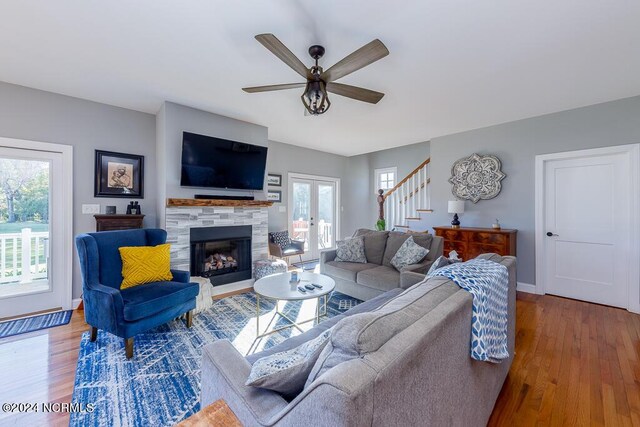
(221,163)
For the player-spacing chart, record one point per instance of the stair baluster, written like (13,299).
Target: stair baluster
(409,198)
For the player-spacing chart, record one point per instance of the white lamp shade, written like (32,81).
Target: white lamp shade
(456,206)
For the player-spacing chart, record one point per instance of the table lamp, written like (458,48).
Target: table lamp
(456,207)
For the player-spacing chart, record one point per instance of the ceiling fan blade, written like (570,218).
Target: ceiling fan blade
(276,47)
(270,88)
(354,92)
(367,54)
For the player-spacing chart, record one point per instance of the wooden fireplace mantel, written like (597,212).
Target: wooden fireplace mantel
(212,202)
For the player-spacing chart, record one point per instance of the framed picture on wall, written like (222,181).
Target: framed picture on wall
(274,196)
(119,175)
(274,180)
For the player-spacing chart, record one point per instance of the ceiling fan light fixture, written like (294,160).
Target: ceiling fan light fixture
(315,98)
(318,81)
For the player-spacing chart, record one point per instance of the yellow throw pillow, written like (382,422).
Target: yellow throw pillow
(145,264)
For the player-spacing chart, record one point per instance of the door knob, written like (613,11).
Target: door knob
(550,234)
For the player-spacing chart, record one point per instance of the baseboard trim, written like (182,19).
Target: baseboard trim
(75,303)
(527,287)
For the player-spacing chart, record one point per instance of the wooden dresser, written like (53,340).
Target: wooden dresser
(471,242)
(118,222)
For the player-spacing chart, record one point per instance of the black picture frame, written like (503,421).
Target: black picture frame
(119,175)
(274,196)
(274,180)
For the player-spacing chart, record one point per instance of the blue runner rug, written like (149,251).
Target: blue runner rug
(160,386)
(35,323)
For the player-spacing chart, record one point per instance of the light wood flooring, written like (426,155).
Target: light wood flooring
(576,364)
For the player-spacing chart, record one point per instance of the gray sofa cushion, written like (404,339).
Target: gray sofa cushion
(346,270)
(374,244)
(287,371)
(396,239)
(363,333)
(380,277)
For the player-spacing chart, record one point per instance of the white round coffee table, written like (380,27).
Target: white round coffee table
(280,288)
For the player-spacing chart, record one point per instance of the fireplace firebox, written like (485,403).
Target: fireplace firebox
(221,254)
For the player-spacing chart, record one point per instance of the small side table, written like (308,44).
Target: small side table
(218,414)
(118,222)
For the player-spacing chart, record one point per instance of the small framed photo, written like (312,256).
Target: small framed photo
(274,196)
(274,179)
(119,175)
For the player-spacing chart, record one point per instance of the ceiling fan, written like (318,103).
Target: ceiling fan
(319,82)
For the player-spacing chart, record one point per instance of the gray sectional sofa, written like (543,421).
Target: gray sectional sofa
(367,280)
(418,373)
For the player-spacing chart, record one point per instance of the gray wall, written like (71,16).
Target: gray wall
(357,193)
(517,144)
(173,119)
(361,188)
(44,116)
(284,158)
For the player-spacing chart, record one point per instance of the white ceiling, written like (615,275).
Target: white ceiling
(454,65)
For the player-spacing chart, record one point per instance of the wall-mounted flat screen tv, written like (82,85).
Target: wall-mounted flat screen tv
(221,163)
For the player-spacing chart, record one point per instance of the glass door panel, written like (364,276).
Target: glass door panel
(301,212)
(326,214)
(24,226)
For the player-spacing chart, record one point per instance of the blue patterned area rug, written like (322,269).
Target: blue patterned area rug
(160,386)
(34,323)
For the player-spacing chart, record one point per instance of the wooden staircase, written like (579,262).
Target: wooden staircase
(407,204)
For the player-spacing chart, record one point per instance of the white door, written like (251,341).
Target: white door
(587,227)
(34,230)
(313,213)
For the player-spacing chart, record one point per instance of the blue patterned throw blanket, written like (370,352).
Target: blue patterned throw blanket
(488,282)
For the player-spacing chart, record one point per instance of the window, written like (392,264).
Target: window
(385,178)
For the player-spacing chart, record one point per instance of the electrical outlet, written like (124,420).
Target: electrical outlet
(90,209)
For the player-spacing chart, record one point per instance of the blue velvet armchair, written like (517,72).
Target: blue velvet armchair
(133,310)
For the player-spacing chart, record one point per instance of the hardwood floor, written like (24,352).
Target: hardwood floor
(576,364)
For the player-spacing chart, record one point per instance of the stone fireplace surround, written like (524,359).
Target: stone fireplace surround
(181,217)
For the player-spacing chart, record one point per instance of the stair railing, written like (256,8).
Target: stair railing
(407,197)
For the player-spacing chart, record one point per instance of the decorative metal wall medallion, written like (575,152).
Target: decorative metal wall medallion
(476,178)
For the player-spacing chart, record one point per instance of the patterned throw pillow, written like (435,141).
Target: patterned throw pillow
(442,261)
(287,371)
(145,264)
(351,250)
(280,238)
(409,253)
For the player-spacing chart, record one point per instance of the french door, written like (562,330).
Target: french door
(313,212)
(35,227)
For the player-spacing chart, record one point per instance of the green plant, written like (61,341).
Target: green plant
(381,225)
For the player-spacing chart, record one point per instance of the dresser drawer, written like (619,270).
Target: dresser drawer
(459,247)
(454,235)
(488,238)
(476,249)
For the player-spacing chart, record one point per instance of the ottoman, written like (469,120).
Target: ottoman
(265,267)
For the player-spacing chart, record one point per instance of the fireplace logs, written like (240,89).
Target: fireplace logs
(219,261)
